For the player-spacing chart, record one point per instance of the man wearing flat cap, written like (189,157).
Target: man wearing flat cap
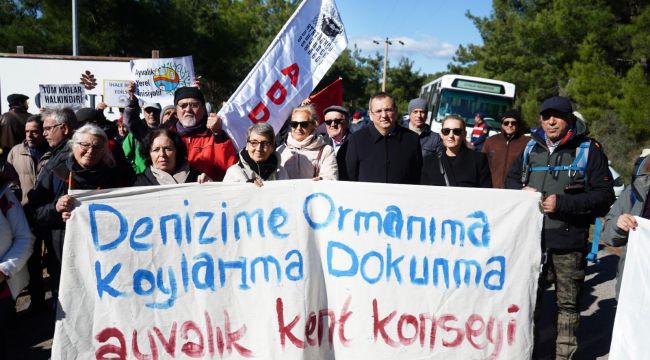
(336,120)
(430,141)
(571,173)
(12,123)
(503,148)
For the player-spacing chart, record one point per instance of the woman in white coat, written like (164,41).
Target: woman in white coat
(258,162)
(16,246)
(305,155)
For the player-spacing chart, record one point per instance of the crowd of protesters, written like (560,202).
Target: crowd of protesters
(47,154)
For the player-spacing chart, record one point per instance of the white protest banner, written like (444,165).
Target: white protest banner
(157,79)
(115,93)
(291,67)
(300,270)
(62,95)
(630,336)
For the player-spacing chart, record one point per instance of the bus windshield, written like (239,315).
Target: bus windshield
(468,104)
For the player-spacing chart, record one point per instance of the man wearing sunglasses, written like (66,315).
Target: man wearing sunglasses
(503,148)
(383,151)
(573,193)
(336,123)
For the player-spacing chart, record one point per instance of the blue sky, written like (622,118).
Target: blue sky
(430,29)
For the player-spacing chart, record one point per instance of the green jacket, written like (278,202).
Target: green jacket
(132,151)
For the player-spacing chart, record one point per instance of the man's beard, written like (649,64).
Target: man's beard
(188,121)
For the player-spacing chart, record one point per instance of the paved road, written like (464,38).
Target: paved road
(34,336)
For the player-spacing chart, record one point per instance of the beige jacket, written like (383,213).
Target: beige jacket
(299,158)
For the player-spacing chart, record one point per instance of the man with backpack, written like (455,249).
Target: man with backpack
(571,172)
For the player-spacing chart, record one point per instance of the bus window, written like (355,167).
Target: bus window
(468,104)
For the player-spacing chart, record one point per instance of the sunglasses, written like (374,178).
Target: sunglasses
(456,131)
(509,123)
(302,124)
(336,121)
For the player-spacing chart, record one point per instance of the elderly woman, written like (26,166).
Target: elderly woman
(305,155)
(456,165)
(89,167)
(258,162)
(166,159)
(16,244)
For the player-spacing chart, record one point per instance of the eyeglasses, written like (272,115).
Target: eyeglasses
(509,123)
(388,111)
(50,128)
(87,146)
(193,105)
(335,121)
(262,144)
(456,131)
(302,124)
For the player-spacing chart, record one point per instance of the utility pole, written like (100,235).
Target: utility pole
(386,43)
(75,29)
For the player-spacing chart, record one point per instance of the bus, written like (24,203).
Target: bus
(465,96)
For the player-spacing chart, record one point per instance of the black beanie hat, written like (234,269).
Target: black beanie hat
(512,113)
(188,92)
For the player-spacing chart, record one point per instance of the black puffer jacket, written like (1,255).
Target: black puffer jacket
(54,184)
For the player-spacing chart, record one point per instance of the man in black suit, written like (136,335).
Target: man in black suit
(384,152)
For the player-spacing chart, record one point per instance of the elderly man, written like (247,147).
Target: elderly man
(570,171)
(336,124)
(383,151)
(12,123)
(58,127)
(209,150)
(503,148)
(430,142)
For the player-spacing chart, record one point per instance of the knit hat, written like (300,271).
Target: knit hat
(188,92)
(167,108)
(16,99)
(513,114)
(357,115)
(417,103)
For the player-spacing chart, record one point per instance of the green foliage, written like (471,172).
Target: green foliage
(595,52)
(404,83)
(634,107)
(225,37)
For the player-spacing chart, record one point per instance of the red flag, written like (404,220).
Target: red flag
(332,94)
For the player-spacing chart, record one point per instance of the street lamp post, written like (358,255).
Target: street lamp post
(386,43)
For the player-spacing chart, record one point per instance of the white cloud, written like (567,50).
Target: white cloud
(426,46)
